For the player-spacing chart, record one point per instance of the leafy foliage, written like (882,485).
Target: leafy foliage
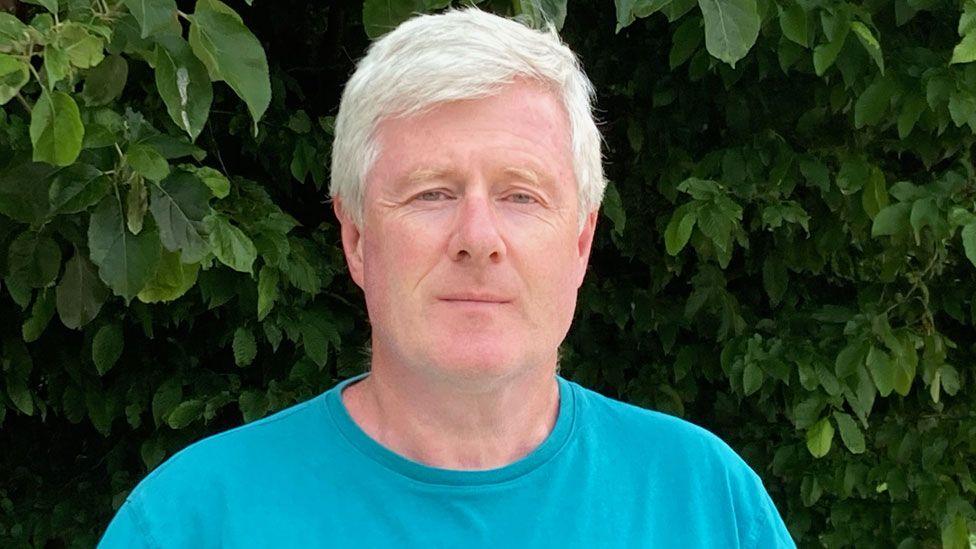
(175,227)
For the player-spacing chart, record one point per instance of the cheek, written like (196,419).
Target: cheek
(553,269)
(394,260)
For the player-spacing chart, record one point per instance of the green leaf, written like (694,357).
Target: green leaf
(962,107)
(965,50)
(925,213)
(133,415)
(77,188)
(967,21)
(630,10)
(850,433)
(815,172)
(83,49)
(173,147)
(775,279)
(245,348)
(869,42)
(101,409)
(267,290)
(171,280)
(12,29)
(903,374)
(752,378)
(891,220)
(56,65)
(218,182)
(874,197)
(179,205)
(850,359)
(107,347)
(166,398)
(685,41)
(810,490)
(184,414)
(232,54)
(20,395)
(80,294)
(679,229)
(613,208)
(950,380)
(14,73)
(33,259)
(40,316)
(152,15)
(125,262)
(872,105)
(56,130)
(854,172)
(820,437)
(184,84)
(824,55)
(882,370)
(105,82)
(298,268)
(136,203)
(807,411)
(147,162)
(793,22)
(716,225)
(382,16)
(318,331)
(911,111)
(253,405)
(539,13)
(955,533)
(969,242)
(231,246)
(731,28)
(299,122)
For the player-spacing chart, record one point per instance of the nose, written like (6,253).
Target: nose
(476,235)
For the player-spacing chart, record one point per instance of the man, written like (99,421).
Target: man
(467,178)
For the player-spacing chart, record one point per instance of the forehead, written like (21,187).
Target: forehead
(523,130)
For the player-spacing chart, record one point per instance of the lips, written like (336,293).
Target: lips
(475,298)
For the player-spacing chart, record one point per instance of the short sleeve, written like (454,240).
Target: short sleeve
(126,530)
(768,529)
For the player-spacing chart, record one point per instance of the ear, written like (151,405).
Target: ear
(351,241)
(583,245)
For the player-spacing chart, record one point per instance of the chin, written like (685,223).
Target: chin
(476,361)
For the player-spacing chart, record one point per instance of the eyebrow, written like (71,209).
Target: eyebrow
(529,175)
(422,175)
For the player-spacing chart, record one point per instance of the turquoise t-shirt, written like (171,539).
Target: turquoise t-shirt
(608,475)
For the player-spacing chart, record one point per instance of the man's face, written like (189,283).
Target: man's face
(470,256)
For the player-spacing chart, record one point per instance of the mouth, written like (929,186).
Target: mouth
(475,299)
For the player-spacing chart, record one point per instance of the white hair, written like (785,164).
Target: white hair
(452,56)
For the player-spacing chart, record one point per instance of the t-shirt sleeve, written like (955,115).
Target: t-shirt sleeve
(127,529)
(768,529)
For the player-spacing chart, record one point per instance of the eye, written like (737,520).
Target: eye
(431,196)
(522,198)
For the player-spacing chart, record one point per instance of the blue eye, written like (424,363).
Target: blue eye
(522,198)
(431,195)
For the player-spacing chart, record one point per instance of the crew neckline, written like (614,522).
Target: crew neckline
(553,443)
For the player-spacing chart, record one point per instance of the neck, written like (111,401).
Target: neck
(455,424)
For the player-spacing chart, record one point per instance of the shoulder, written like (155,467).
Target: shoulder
(646,428)
(228,456)
(656,449)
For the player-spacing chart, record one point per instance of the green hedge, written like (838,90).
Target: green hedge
(786,255)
